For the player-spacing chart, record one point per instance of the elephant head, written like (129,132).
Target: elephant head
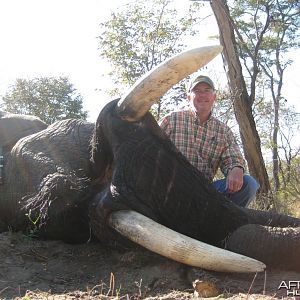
(149,176)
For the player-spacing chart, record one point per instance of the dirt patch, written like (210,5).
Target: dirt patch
(34,269)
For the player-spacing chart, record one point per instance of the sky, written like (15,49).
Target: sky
(59,38)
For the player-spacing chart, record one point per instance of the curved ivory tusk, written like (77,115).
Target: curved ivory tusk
(176,246)
(154,84)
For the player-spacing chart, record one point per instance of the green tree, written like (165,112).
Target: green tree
(141,36)
(255,35)
(49,98)
(266,31)
(288,149)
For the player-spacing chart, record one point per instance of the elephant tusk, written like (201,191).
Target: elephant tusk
(178,247)
(154,84)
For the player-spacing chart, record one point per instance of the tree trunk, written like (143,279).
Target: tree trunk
(242,106)
(275,156)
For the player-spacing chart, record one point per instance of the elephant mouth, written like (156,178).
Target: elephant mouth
(144,231)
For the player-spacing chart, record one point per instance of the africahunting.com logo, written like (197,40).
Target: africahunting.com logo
(292,287)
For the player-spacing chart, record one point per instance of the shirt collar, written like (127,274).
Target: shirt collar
(194,114)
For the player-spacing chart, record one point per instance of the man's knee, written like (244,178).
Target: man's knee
(251,185)
(250,188)
(245,195)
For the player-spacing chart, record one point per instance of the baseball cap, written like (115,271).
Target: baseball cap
(199,79)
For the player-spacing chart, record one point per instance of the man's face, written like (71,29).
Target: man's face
(202,97)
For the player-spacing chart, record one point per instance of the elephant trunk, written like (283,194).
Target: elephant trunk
(276,247)
(268,218)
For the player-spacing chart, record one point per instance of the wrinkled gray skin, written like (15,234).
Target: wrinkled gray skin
(49,175)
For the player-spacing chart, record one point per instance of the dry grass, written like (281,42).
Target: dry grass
(280,204)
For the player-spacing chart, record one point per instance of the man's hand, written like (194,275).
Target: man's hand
(234,180)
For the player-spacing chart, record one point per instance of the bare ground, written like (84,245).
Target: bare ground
(34,269)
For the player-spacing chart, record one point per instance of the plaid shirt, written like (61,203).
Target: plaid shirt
(208,146)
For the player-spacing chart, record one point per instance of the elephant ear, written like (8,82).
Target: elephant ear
(14,127)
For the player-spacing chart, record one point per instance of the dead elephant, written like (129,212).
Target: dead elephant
(133,175)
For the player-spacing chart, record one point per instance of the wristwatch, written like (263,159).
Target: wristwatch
(238,167)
